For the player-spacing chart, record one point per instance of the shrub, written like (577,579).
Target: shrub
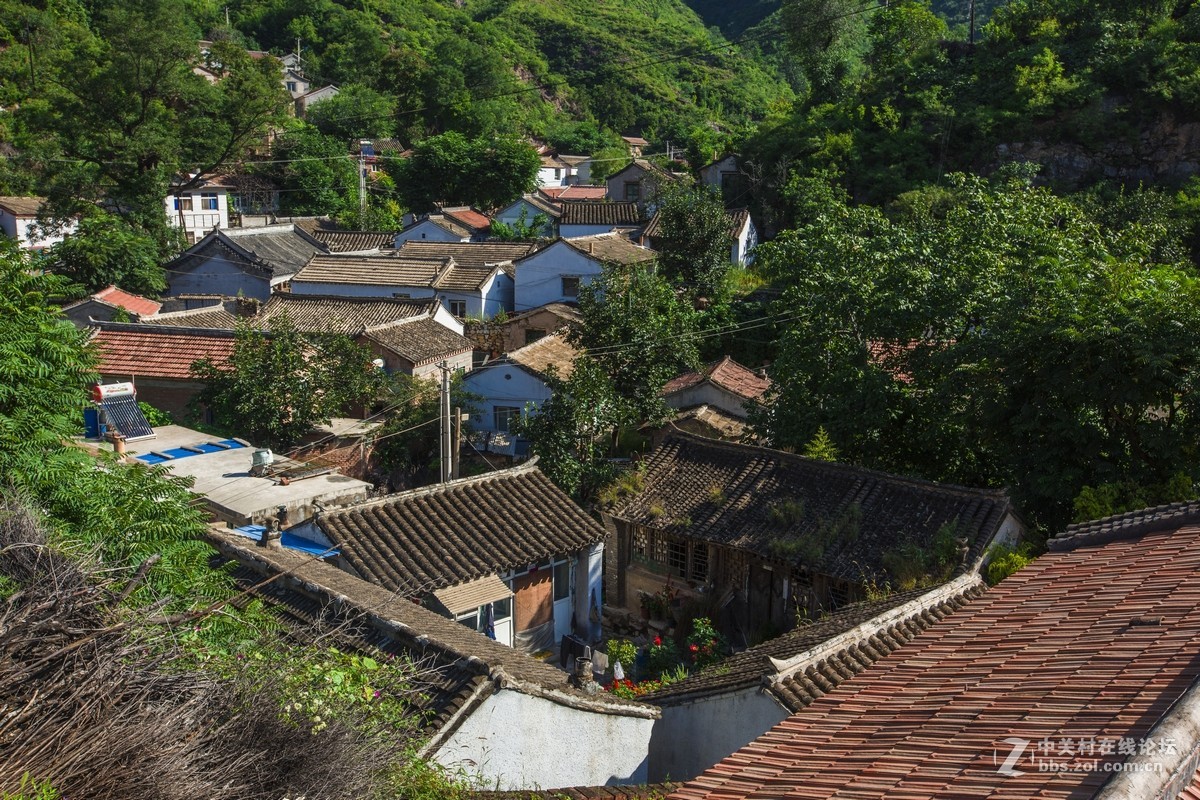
(705,645)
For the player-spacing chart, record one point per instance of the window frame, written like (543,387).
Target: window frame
(210,197)
(509,413)
(458,307)
(578,285)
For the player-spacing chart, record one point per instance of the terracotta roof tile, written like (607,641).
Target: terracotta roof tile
(585,212)
(656,791)
(133,303)
(725,373)
(577,191)
(420,341)
(785,506)
(469,218)
(1096,642)
(429,538)
(124,349)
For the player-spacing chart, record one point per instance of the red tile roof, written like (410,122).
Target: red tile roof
(1097,640)
(163,353)
(469,217)
(576,191)
(728,375)
(133,303)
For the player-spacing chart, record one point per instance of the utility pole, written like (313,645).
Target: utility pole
(972,23)
(226,16)
(444,439)
(362,186)
(457,445)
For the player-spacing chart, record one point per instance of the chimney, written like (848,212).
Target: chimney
(272,533)
(118,443)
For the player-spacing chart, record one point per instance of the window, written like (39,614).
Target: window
(676,557)
(633,191)
(503,417)
(533,334)
(641,543)
(208,202)
(470,619)
(183,202)
(699,562)
(291,86)
(570,285)
(502,609)
(458,308)
(558,174)
(562,580)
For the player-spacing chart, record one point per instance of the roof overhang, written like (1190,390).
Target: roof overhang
(471,595)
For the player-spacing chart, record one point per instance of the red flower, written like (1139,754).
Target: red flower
(694,648)
(658,641)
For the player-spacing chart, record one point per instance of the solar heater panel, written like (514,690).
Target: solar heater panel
(119,403)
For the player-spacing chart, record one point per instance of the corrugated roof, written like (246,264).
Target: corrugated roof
(473,594)
(468,254)
(1094,644)
(585,212)
(133,349)
(354,241)
(460,531)
(725,373)
(420,340)
(832,519)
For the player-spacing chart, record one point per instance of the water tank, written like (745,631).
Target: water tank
(262,458)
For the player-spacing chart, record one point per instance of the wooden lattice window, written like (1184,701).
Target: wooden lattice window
(699,571)
(677,558)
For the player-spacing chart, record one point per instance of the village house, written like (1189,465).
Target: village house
(502,717)
(476,291)
(743,236)
(536,323)
(232,491)
(19,221)
(198,210)
(576,191)
(556,273)
(513,385)
(524,564)
(637,182)
(559,170)
(531,209)
(590,217)
(1074,677)
(409,336)
(636,145)
(109,303)
(775,534)
(724,384)
(242,262)
(726,176)
(723,707)
(451,224)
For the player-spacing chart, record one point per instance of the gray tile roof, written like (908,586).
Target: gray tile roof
(420,341)
(283,248)
(1121,526)
(468,254)
(425,539)
(585,212)
(611,247)
(396,268)
(353,241)
(22,206)
(831,519)
(309,313)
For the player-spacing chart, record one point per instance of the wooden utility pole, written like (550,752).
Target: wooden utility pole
(456,457)
(445,447)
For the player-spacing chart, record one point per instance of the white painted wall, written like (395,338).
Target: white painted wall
(589,578)
(199,221)
(502,385)
(539,276)
(692,737)
(705,394)
(27,233)
(742,250)
(512,215)
(518,741)
(574,231)
(426,231)
(219,275)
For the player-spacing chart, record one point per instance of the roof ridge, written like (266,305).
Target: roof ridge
(437,488)
(1126,525)
(150,327)
(832,466)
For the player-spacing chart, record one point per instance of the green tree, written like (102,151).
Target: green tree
(829,38)
(639,332)
(314,172)
(407,443)
(356,112)
(695,238)
(106,250)
(452,169)
(1006,339)
(279,383)
(571,433)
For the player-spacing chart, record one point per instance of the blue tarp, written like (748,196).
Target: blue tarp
(181,452)
(288,540)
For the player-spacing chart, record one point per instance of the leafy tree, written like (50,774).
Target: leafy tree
(314,172)
(356,112)
(106,250)
(571,432)
(695,238)
(821,447)
(639,332)
(452,169)
(279,383)
(407,444)
(1007,339)
(829,39)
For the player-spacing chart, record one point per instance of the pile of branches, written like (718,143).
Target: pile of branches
(98,705)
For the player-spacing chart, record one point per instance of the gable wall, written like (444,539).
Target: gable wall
(692,737)
(539,277)
(426,231)
(502,385)
(216,272)
(705,393)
